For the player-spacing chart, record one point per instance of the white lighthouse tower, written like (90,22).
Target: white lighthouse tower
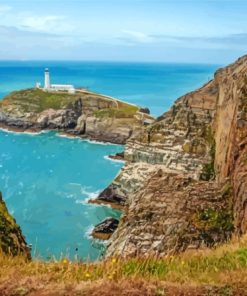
(48,87)
(47,79)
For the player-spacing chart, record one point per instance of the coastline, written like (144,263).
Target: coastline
(7,128)
(64,134)
(98,201)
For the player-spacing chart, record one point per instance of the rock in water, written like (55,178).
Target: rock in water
(105,229)
(12,240)
(111,197)
(117,156)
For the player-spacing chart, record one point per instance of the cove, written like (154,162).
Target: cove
(46,180)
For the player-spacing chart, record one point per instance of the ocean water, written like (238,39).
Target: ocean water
(155,86)
(47,179)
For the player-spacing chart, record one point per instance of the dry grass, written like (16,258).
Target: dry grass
(225,266)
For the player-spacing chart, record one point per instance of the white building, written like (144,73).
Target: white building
(55,87)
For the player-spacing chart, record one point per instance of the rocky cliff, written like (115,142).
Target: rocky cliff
(85,114)
(12,240)
(185,181)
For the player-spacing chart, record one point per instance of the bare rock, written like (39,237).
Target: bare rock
(105,229)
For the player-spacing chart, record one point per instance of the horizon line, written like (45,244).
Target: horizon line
(111,61)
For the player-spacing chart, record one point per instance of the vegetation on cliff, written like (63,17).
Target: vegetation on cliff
(36,100)
(11,238)
(221,271)
(122,111)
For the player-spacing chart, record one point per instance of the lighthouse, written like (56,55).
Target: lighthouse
(47,79)
(48,87)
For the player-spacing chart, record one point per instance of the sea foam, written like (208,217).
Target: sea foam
(114,160)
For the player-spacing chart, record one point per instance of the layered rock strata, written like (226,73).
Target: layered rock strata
(185,180)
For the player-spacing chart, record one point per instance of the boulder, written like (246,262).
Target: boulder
(109,196)
(105,229)
(145,110)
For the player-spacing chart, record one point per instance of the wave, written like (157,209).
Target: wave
(71,137)
(99,143)
(22,132)
(114,160)
(85,191)
(88,232)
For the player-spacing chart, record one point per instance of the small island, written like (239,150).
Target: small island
(77,113)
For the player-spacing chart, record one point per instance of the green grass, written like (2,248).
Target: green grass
(123,111)
(35,100)
(10,233)
(213,219)
(225,264)
(221,271)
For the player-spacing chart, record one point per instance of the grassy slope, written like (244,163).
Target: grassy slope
(35,100)
(224,267)
(11,240)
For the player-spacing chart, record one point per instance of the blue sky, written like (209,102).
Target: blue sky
(207,31)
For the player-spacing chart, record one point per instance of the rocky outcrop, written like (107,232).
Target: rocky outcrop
(12,240)
(117,156)
(171,213)
(181,138)
(105,229)
(185,179)
(84,114)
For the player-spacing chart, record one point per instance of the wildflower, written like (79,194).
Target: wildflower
(65,261)
(183,263)
(87,275)
(114,260)
(110,277)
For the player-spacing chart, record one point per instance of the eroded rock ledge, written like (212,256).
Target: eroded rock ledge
(184,184)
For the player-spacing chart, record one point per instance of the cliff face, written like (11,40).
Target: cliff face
(11,239)
(85,114)
(185,181)
(230,127)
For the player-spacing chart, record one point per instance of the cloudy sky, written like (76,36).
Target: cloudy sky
(208,31)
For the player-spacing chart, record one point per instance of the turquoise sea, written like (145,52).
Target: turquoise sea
(47,179)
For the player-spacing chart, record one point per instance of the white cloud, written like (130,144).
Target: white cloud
(138,36)
(49,23)
(5,8)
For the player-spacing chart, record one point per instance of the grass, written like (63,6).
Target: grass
(123,111)
(35,100)
(226,264)
(211,219)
